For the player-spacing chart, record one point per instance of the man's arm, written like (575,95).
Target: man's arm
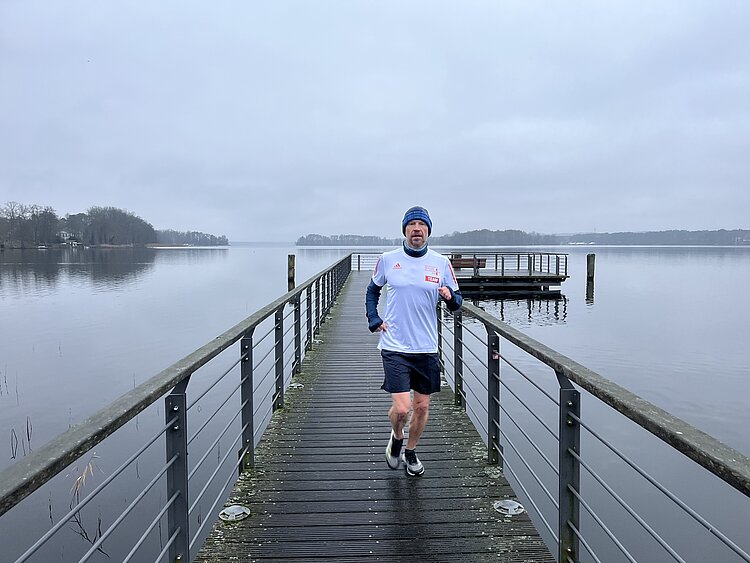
(371,304)
(453,299)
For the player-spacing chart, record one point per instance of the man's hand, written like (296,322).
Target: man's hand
(445,293)
(382,328)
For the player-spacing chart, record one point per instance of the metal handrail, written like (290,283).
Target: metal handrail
(726,463)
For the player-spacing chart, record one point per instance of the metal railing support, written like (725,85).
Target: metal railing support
(570,471)
(279,356)
(309,339)
(246,397)
(440,333)
(323,299)
(458,361)
(317,305)
(178,519)
(297,335)
(494,449)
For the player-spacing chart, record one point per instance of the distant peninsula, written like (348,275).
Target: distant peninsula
(510,237)
(28,226)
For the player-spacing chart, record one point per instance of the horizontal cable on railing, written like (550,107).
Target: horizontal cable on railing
(216,411)
(262,338)
(583,541)
(447,327)
(628,508)
(480,360)
(290,343)
(257,385)
(528,438)
(527,378)
(449,345)
(544,424)
(466,387)
(697,517)
(528,467)
(78,507)
(167,545)
(289,314)
(447,359)
(216,441)
(271,388)
(603,526)
(479,419)
(262,421)
(128,510)
(230,451)
(222,376)
(482,384)
(259,362)
(539,513)
(151,526)
(288,329)
(220,495)
(474,334)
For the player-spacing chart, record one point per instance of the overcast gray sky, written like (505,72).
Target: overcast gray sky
(267,120)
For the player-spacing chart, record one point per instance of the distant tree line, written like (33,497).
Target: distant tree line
(511,237)
(193,238)
(24,225)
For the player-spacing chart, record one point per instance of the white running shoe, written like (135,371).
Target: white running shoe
(413,465)
(393,461)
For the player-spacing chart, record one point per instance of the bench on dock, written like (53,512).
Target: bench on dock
(458,262)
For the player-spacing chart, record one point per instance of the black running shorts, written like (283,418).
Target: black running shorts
(403,372)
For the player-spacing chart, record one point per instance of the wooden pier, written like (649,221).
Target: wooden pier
(498,274)
(321,490)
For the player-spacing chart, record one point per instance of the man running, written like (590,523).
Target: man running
(417,278)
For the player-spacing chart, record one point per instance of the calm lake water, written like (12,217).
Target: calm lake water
(78,328)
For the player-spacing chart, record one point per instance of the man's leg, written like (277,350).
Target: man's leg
(418,419)
(399,413)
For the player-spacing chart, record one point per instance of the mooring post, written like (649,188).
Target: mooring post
(290,272)
(590,260)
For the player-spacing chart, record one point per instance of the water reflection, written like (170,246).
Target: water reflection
(528,310)
(39,272)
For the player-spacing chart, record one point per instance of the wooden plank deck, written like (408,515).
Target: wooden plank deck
(321,490)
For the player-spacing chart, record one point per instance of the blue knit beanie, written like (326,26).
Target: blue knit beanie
(415,213)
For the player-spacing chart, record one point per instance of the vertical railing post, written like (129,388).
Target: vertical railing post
(458,362)
(297,334)
(440,334)
(246,396)
(494,449)
(323,297)
(329,287)
(178,519)
(317,305)
(359,262)
(528,263)
(570,478)
(502,265)
(557,265)
(278,402)
(309,339)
